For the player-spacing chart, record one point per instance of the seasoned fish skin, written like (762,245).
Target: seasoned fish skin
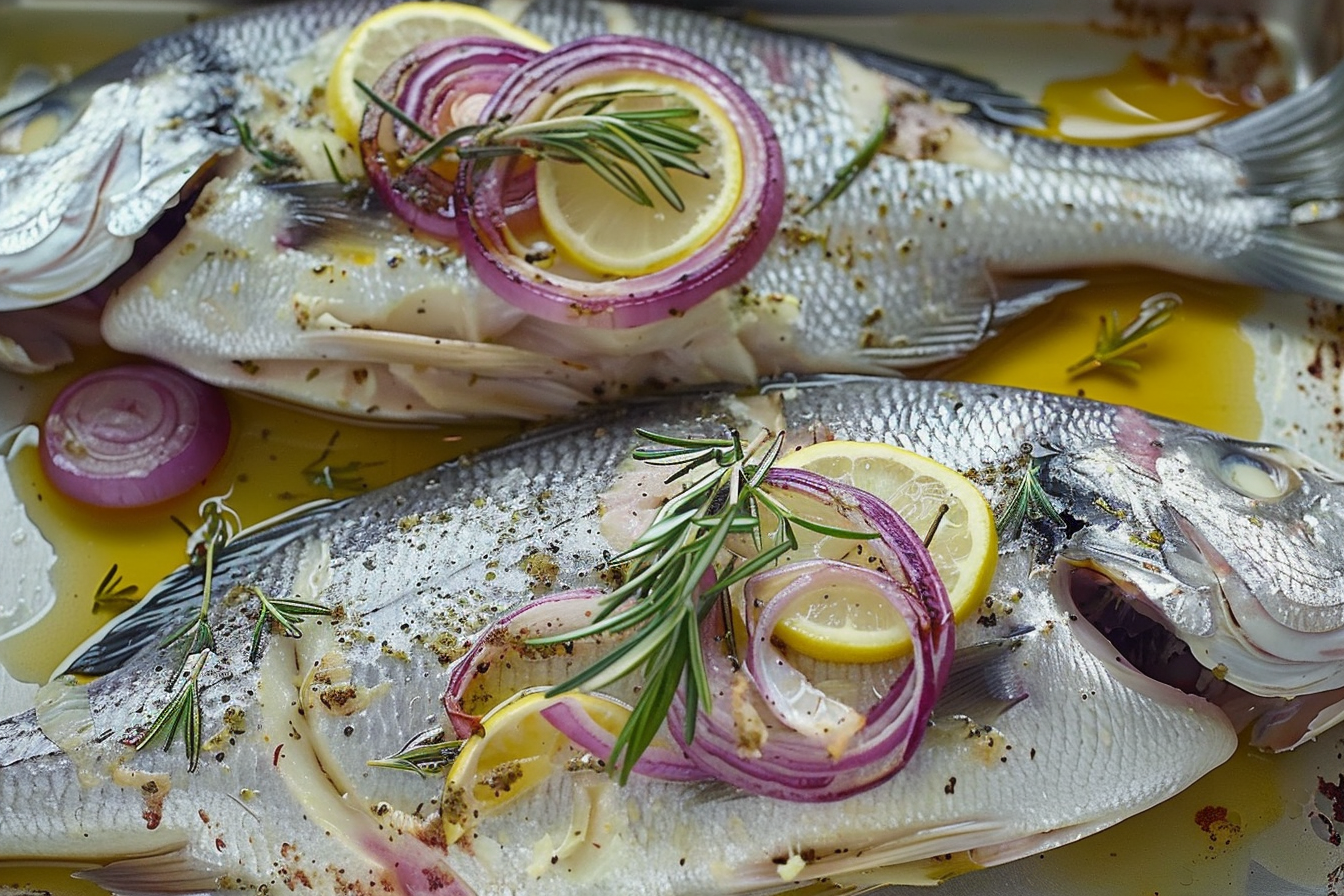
(317,300)
(284,796)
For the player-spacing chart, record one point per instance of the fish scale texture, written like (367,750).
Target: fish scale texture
(418,569)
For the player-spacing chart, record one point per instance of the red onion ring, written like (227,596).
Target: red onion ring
(134,435)
(435,85)
(780,684)
(543,617)
(626,302)
(795,766)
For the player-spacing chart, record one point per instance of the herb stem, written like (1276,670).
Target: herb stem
(622,147)
(846,176)
(668,590)
(1114,341)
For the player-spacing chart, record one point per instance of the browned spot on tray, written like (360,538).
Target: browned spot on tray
(1209,816)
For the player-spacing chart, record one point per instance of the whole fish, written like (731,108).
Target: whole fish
(312,295)
(1213,566)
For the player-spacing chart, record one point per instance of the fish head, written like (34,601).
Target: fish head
(1211,563)
(87,168)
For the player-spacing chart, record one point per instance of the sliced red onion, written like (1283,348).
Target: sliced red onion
(133,436)
(666,763)
(801,765)
(483,191)
(543,617)
(792,698)
(441,85)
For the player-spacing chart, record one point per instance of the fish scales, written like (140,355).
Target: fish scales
(309,296)
(284,797)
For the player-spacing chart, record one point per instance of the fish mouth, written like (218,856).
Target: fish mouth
(1118,623)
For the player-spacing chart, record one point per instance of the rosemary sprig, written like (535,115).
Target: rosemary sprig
(111,594)
(269,159)
(663,592)
(855,166)
(425,754)
(1114,342)
(286,612)
(219,524)
(183,713)
(627,149)
(1028,502)
(336,174)
(345,477)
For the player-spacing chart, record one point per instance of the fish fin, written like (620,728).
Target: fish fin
(1293,149)
(161,874)
(981,316)
(1294,259)
(326,212)
(987,101)
(985,680)
(165,604)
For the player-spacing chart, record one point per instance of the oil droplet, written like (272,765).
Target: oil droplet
(1144,100)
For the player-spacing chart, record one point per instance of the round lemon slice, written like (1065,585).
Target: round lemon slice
(515,750)
(386,36)
(609,234)
(857,626)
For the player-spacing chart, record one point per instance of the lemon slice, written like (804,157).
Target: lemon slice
(515,751)
(609,234)
(856,625)
(386,36)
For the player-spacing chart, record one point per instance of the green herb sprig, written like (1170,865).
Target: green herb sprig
(665,595)
(345,477)
(428,753)
(627,149)
(285,612)
(1114,341)
(112,595)
(846,176)
(181,714)
(1027,502)
(219,524)
(268,158)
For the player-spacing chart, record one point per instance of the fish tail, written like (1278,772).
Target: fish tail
(1293,148)
(1293,151)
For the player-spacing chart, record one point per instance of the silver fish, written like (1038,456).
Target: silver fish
(305,294)
(1193,551)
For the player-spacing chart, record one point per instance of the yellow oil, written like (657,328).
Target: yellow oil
(1143,101)
(1198,368)
(1187,844)
(271,466)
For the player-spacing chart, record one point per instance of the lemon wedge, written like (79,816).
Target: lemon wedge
(610,235)
(515,750)
(386,36)
(855,625)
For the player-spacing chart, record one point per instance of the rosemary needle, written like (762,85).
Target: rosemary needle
(666,592)
(1114,341)
(627,149)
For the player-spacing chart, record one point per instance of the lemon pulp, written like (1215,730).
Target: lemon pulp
(383,38)
(515,750)
(852,624)
(610,235)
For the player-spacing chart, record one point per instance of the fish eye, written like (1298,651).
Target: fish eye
(1255,476)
